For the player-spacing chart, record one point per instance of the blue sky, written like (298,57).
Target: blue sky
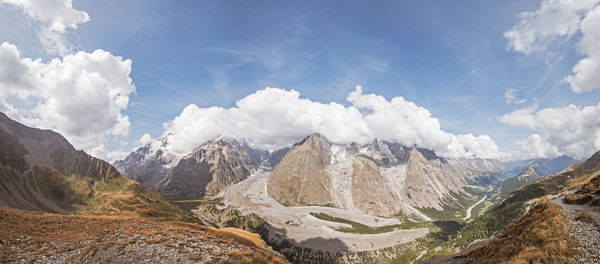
(448,57)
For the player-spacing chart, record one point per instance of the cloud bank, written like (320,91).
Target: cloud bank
(557,19)
(82,96)
(573,131)
(55,16)
(273,118)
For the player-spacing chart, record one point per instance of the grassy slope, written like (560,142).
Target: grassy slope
(499,216)
(540,236)
(121,196)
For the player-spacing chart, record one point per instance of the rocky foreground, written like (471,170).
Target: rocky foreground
(30,237)
(584,230)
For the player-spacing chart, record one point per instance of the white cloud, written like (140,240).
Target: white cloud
(555,18)
(537,147)
(110,156)
(571,130)
(81,96)
(145,139)
(562,19)
(273,118)
(56,16)
(585,76)
(512,98)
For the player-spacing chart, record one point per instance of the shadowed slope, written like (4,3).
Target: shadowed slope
(41,171)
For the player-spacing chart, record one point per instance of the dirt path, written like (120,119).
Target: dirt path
(586,234)
(305,230)
(473,206)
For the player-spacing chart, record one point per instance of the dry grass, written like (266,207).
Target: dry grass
(32,232)
(576,198)
(255,238)
(584,216)
(587,192)
(540,236)
(584,181)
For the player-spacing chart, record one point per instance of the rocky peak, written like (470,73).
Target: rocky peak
(210,168)
(301,178)
(530,171)
(528,175)
(315,141)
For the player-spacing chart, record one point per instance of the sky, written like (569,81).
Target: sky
(490,79)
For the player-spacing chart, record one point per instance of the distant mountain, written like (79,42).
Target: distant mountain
(543,166)
(146,166)
(41,171)
(525,177)
(316,172)
(206,171)
(379,178)
(209,169)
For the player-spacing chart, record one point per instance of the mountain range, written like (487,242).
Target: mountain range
(542,166)
(379,178)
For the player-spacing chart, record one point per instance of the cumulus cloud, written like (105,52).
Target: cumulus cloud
(585,75)
(537,147)
(102,152)
(273,118)
(55,16)
(571,130)
(555,18)
(81,96)
(145,139)
(562,19)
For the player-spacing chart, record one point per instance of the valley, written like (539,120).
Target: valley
(299,226)
(473,206)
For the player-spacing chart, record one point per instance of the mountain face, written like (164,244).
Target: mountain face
(41,171)
(379,178)
(206,171)
(543,166)
(209,169)
(147,167)
(300,177)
